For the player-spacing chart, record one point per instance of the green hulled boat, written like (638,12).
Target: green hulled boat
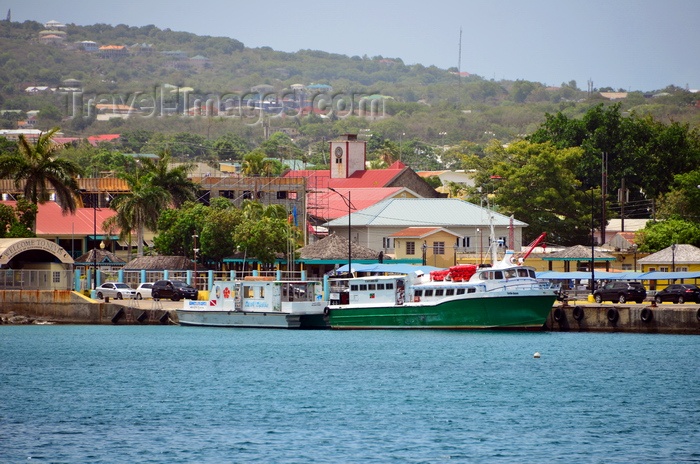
(505,296)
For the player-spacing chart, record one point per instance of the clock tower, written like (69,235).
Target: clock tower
(348,155)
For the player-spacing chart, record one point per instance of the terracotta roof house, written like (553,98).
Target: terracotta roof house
(350,178)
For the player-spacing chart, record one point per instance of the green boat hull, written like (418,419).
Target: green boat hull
(520,312)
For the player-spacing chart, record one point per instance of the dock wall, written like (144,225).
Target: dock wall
(665,318)
(70,307)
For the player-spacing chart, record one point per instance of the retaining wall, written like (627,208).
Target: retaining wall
(69,307)
(669,319)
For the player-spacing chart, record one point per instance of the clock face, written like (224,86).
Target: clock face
(338,152)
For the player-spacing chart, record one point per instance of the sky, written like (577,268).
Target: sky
(624,44)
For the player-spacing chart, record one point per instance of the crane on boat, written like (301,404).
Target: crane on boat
(531,247)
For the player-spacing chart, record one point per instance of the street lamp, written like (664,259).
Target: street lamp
(481,245)
(673,258)
(195,251)
(592,243)
(350,206)
(634,250)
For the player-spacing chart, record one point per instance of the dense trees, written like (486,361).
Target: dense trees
(38,172)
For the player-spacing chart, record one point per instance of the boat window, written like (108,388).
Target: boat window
(471,290)
(484,276)
(389,286)
(380,286)
(418,293)
(429,292)
(510,273)
(353,287)
(371,287)
(460,291)
(498,275)
(262,292)
(439,292)
(532,273)
(248,292)
(450,292)
(522,272)
(363,287)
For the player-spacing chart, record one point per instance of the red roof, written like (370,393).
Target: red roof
(95,139)
(51,221)
(328,205)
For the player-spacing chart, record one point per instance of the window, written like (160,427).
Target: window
(464,242)
(439,292)
(247,195)
(387,242)
(372,287)
(353,287)
(292,195)
(438,248)
(390,286)
(248,292)
(363,287)
(230,194)
(502,242)
(418,293)
(429,292)
(450,292)
(282,195)
(56,277)
(380,286)
(410,248)
(460,291)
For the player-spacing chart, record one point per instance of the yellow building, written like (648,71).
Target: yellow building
(434,246)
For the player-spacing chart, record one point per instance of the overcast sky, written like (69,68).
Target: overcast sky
(629,44)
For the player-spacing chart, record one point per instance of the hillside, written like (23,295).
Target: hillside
(148,67)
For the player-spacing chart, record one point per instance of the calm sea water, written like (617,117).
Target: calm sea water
(168,394)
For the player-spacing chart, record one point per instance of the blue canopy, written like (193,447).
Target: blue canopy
(602,275)
(388,268)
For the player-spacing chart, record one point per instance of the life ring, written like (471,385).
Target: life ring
(646,315)
(558,314)
(578,313)
(326,310)
(613,315)
(416,299)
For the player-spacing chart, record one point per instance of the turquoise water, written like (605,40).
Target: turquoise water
(167,394)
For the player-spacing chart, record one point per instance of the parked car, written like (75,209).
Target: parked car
(144,290)
(679,293)
(173,289)
(621,292)
(116,290)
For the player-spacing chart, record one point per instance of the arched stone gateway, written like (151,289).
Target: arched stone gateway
(14,252)
(34,264)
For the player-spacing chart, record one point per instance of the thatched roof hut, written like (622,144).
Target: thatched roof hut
(335,247)
(104,257)
(160,263)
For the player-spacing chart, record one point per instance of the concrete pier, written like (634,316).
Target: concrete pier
(69,307)
(665,318)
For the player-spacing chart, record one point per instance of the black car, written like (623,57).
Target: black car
(679,293)
(173,289)
(621,292)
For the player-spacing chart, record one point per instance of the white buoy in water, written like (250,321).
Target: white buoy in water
(537,354)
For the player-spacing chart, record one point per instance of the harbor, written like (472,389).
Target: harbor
(67,307)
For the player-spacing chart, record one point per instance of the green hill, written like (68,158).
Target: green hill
(411,101)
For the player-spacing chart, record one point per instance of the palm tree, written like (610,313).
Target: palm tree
(43,173)
(140,208)
(174,180)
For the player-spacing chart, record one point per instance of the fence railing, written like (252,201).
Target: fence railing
(11,279)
